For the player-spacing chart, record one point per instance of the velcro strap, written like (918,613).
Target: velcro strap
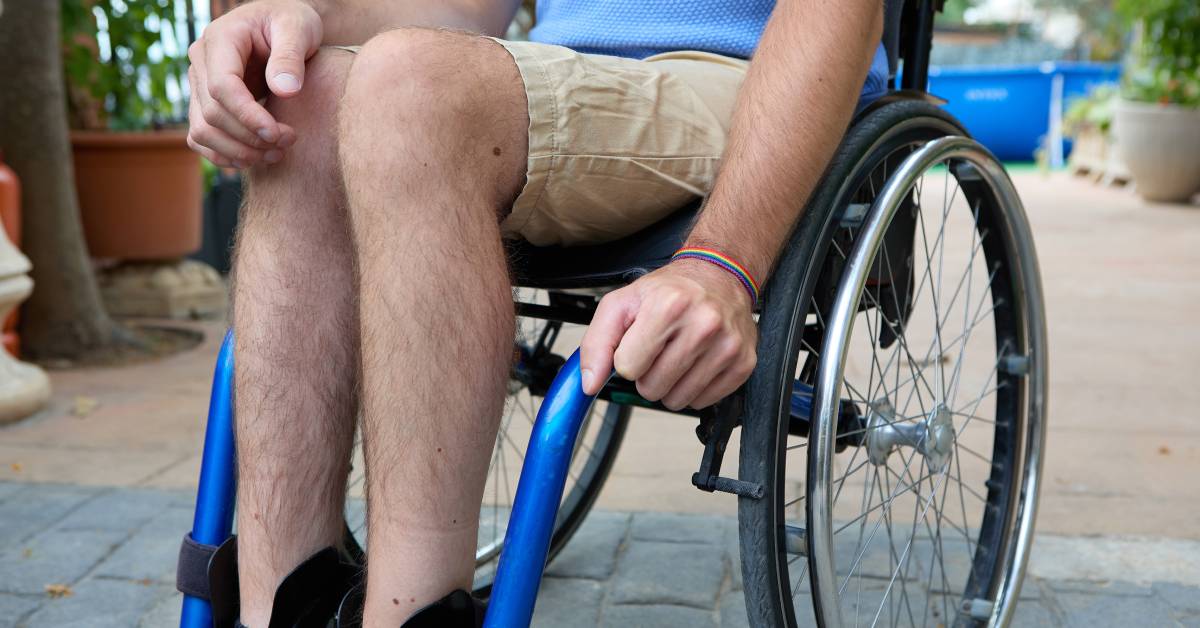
(191,572)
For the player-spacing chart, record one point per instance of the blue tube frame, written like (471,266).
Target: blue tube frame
(539,491)
(213,519)
(530,526)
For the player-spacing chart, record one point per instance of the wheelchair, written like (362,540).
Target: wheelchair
(891,434)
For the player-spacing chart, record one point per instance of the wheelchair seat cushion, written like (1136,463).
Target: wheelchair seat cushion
(598,265)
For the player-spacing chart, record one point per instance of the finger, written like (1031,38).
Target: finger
(225,145)
(727,382)
(202,106)
(603,335)
(214,114)
(209,110)
(652,328)
(678,357)
(209,154)
(715,360)
(226,64)
(291,44)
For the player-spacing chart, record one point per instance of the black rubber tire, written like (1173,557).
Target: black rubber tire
(786,298)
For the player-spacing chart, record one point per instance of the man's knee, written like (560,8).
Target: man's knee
(432,81)
(444,100)
(299,199)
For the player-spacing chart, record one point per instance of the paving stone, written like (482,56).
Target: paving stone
(952,560)
(1089,611)
(864,599)
(8,489)
(99,603)
(564,602)
(592,551)
(733,560)
(1031,588)
(608,517)
(688,574)
(14,607)
(733,610)
(54,557)
(164,612)
(679,528)
(356,514)
(150,554)
(1107,587)
(1181,597)
(1033,614)
(28,512)
(122,509)
(656,616)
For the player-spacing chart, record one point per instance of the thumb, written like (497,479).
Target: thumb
(292,43)
(612,318)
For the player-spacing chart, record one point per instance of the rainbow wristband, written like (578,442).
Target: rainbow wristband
(725,262)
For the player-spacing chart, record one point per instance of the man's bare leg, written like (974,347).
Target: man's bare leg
(432,143)
(295,320)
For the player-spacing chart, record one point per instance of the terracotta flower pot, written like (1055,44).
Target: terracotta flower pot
(1161,146)
(139,194)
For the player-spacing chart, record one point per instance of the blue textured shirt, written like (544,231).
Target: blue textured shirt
(641,28)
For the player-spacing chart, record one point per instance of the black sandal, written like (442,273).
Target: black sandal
(457,610)
(307,598)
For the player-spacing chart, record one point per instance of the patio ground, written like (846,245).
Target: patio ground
(95,490)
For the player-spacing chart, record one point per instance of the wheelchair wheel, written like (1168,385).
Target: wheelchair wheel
(902,473)
(537,355)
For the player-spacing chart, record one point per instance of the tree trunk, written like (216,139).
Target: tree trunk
(64,318)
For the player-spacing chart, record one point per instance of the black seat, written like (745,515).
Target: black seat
(596,265)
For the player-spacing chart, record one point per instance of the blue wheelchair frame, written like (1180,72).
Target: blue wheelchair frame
(530,525)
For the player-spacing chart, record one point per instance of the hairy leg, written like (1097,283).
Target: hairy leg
(295,319)
(432,143)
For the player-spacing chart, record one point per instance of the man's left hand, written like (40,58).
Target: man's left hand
(684,333)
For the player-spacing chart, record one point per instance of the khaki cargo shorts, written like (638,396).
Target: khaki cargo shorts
(616,144)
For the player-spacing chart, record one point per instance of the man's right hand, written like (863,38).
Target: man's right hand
(256,49)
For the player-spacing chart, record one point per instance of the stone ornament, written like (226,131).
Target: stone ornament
(24,388)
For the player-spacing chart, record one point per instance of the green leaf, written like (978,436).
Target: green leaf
(130,77)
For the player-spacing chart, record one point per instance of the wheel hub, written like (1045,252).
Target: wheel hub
(932,437)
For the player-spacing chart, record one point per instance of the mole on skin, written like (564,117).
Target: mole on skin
(496,151)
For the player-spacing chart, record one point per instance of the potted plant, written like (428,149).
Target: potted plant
(1157,118)
(1088,122)
(139,185)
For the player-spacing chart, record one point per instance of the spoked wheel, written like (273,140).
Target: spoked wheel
(848,533)
(928,407)
(537,355)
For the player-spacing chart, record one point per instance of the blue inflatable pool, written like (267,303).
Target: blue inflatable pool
(1014,109)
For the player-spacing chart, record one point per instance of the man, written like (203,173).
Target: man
(371,273)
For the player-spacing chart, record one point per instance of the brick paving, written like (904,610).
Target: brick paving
(114,550)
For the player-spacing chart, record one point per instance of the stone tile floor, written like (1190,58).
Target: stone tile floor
(114,551)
